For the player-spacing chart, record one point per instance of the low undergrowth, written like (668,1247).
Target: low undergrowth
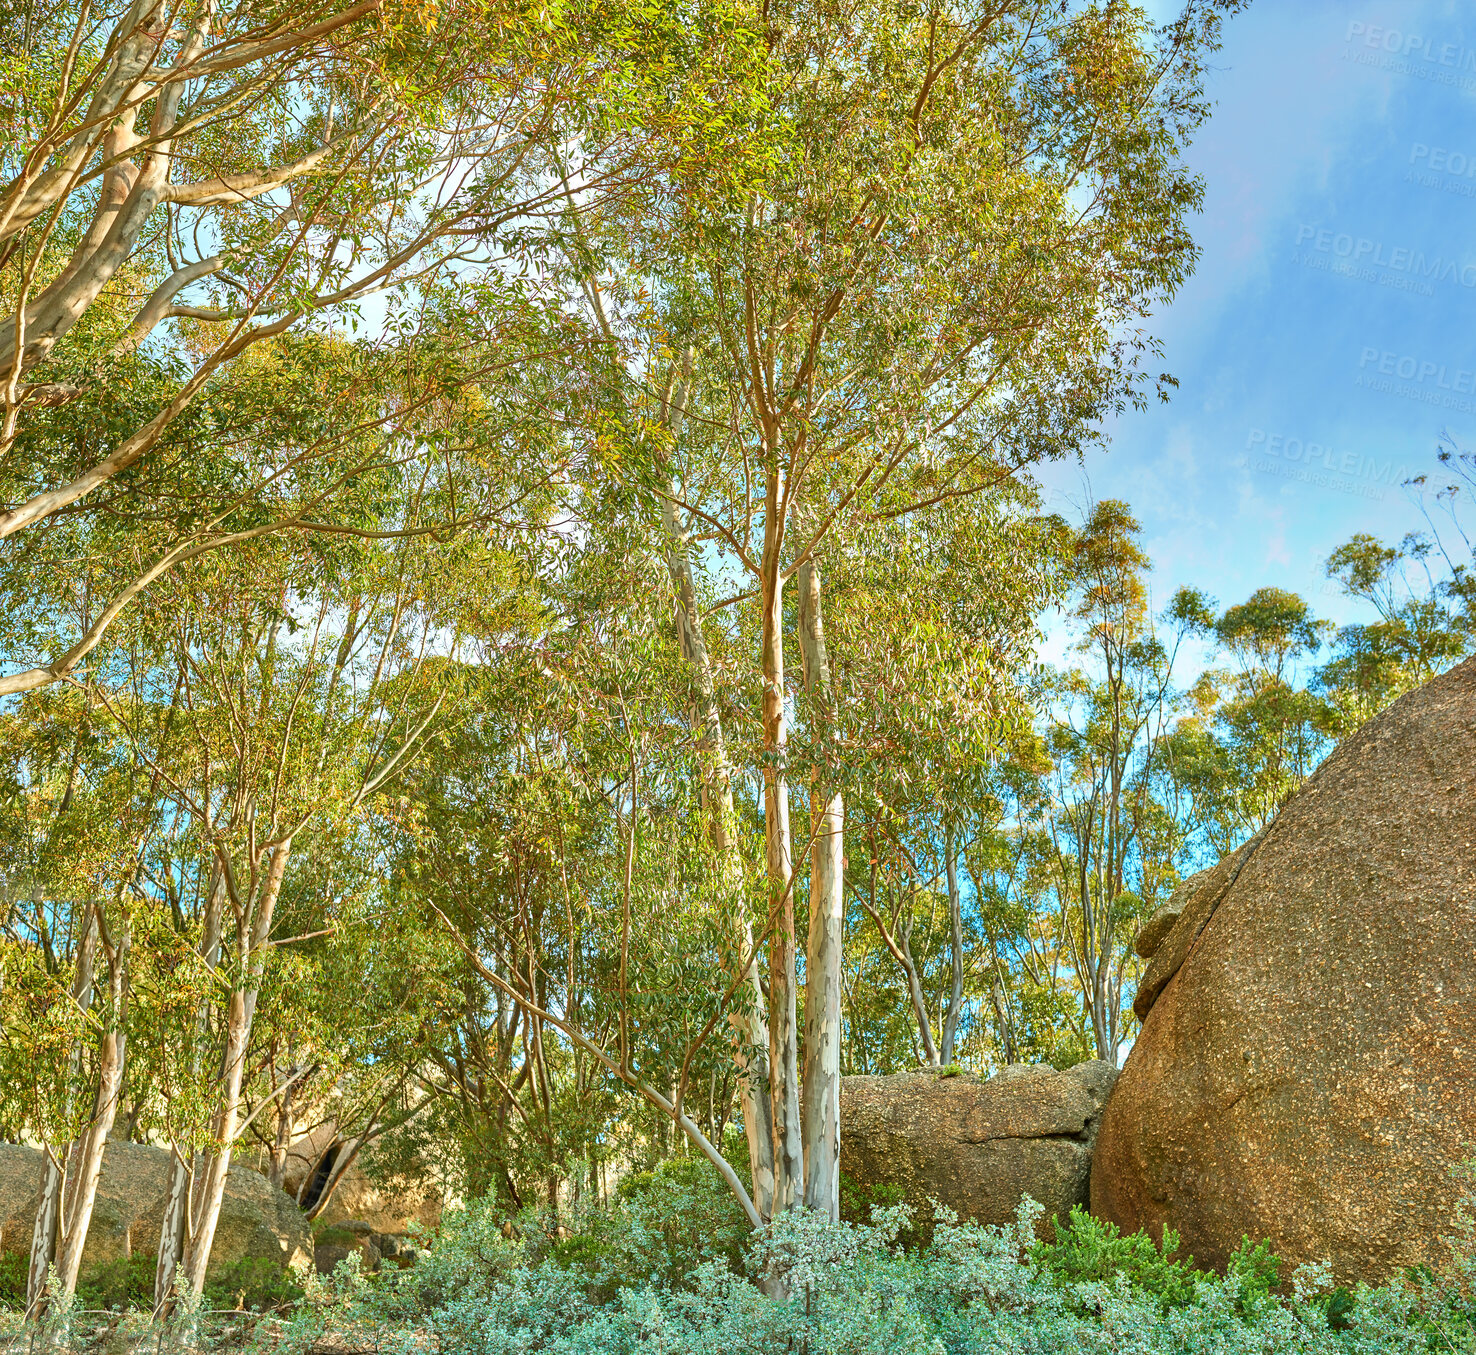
(127,1283)
(668,1268)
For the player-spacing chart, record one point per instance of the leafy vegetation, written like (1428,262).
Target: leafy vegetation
(851,1287)
(519,625)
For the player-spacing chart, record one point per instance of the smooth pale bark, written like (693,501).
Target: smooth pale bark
(747,1024)
(346,1155)
(955,946)
(277,1155)
(131,192)
(46,1234)
(174,1229)
(826,935)
(789,1167)
(915,993)
(85,1168)
(209,1188)
(1006,1025)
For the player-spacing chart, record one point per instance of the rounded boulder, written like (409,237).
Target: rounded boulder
(1306,1070)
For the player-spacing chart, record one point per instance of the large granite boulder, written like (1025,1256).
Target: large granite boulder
(1306,1071)
(257,1221)
(976,1146)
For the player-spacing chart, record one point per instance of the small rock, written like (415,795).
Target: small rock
(327,1255)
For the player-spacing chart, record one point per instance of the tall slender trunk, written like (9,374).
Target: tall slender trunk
(955,945)
(1005,1021)
(282,1141)
(779,849)
(899,945)
(175,1227)
(46,1235)
(85,1167)
(748,1026)
(209,1189)
(827,915)
(347,1154)
(915,993)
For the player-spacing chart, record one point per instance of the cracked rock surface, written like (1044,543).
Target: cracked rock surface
(1306,1071)
(975,1145)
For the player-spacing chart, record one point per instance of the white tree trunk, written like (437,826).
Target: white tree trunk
(955,946)
(915,993)
(900,948)
(85,1167)
(789,1166)
(46,1235)
(209,1187)
(827,916)
(748,1024)
(174,1231)
(1005,1021)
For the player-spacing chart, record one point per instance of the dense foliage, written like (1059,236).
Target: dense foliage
(613,1281)
(521,589)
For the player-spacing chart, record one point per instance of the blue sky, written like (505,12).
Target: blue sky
(1328,336)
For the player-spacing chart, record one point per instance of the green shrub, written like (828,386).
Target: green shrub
(1258,1269)
(14,1268)
(857,1201)
(127,1283)
(1087,1250)
(252,1284)
(124,1282)
(852,1290)
(660,1270)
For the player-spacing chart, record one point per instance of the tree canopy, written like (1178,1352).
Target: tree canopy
(523,581)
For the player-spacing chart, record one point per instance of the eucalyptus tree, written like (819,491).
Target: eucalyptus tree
(337,1040)
(298,681)
(252,703)
(1107,733)
(935,622)
(965,214)
(63,1011)
(1423,624)
(299,688)
(186,180)
(71,828)
(1268,729)
(561,840)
